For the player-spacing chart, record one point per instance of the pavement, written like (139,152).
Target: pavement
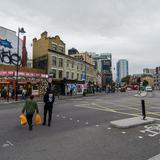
(40,98)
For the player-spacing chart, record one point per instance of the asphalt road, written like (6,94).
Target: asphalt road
(81,130)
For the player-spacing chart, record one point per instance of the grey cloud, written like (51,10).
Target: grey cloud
(128,29)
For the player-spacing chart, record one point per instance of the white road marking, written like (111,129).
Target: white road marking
(9,143)
(86,123)
(5,145)
(140,137)
(153,129)
(57,115)
(108,128)
(123,132)
(97,125)
(70,119)
(63,117)
(78,121)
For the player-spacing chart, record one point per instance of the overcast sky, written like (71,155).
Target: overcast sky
(129,29)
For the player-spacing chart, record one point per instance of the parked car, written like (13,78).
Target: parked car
(148,89)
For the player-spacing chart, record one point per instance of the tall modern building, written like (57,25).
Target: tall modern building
(122,69)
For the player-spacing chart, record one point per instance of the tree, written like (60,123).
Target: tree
(126,79)
(145,83)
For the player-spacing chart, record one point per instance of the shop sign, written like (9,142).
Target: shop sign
(10,73)
(43,75)
(21,74)
(37,74)
(29,74)
(6,73)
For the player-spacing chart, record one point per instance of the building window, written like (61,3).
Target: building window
(60,49)
(54,47)
(60,74)
(77,76)
(72,64)
(54,59)
(54,73)
(67,75)
(60,62)
(67,63)
(72,75)
(81,67)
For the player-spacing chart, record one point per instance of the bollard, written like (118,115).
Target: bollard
(143,109)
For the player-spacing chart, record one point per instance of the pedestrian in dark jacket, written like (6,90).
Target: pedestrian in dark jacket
(48,100)
(30,107)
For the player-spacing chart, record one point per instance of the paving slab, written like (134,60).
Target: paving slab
(131,122)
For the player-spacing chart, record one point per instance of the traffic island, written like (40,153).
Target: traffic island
(131,122)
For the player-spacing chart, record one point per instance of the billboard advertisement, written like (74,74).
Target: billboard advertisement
(83,75)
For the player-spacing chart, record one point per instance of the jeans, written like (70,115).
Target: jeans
(49,110)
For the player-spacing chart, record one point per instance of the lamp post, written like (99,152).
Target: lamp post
(20,30)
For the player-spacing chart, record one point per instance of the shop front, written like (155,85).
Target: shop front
(28,83)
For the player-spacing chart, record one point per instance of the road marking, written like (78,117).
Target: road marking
(86,123)
(123,132)
(7,144)
(70,119)
(140,137)
(108,128)
(153,129)
(97,125)
(78,121)
(106,109)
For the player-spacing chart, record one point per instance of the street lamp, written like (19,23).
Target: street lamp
(20,30)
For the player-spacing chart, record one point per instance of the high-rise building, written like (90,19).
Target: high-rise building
(122,69)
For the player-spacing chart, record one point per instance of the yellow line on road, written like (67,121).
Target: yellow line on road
(101,108)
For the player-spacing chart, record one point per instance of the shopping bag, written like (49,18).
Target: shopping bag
(38,119)
(23,119)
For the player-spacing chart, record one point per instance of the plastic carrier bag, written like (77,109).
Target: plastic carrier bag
(23,119)
(38,119)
